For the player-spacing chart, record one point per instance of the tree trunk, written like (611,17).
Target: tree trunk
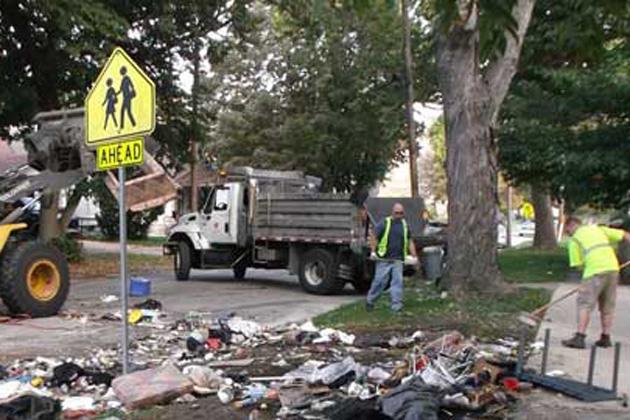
(48,222)
(471,105)
(544,235)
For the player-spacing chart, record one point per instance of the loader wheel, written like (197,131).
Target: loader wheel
(182,262)
(35,280)
(318,272)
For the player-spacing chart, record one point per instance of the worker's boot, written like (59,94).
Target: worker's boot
(604,341)
(575,342)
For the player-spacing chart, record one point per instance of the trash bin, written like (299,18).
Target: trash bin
(432,262)
(139,287)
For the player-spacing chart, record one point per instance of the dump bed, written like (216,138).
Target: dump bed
(312,217)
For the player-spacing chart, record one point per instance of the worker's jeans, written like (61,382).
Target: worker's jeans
(383,270)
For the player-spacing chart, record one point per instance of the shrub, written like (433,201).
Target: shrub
(69,247)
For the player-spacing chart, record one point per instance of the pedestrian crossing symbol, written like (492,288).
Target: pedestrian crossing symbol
(121,104)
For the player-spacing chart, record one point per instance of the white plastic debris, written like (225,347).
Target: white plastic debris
(556,373)
(78,403)
(378,375)
(329,334)
(109,298)
(243,329)
(309,327)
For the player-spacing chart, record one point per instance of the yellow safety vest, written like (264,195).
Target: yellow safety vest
(382,246)
(591,246)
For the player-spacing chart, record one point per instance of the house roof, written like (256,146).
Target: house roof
(12,155)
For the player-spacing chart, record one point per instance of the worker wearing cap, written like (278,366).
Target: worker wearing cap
(592,248)
(390,245)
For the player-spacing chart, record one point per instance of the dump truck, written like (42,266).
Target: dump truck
(277,220)
(34,276)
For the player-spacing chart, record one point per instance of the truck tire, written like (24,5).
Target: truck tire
(318,272)
(239,271)
(34,280)
(182,261)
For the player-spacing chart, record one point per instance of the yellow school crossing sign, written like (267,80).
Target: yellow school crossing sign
(121,103)
(123,153)
(527,211)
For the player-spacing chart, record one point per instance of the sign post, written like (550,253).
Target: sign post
(124,283)
(119,110)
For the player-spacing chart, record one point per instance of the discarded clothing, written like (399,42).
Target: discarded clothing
(414,400)
(29,407)
(66,373)
(151,304)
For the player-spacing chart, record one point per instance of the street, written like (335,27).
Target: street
(270,297)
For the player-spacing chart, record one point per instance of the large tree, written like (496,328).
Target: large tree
(566,102)
(322,91)
(472,97)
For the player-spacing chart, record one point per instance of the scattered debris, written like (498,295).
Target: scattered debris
(298,370)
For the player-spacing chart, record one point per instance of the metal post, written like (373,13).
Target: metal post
(591,365)
(543,368)
(508,225)
(124,291)
(521,349)
(616,367)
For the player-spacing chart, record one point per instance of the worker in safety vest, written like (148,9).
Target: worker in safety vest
(391,244)
(592,248)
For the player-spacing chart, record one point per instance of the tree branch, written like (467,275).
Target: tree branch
(501,71)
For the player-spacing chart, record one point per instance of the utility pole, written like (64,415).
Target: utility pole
(194,147)
(411,123)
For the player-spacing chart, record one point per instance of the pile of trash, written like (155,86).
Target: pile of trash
(290,372)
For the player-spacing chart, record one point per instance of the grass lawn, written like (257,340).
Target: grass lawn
(529,265)
(426,309)
(95,265)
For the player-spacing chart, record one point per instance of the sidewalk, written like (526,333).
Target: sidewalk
(97,247)
(562,320)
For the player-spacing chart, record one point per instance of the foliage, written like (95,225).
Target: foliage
(434,166)
(320,91)
(138,223)
(51,52)
(69,247)
(565,122)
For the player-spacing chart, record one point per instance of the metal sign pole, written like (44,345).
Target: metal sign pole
(123,268)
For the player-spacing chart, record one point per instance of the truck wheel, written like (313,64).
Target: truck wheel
(182,261)
(35,279)
(318,273)
(239,271)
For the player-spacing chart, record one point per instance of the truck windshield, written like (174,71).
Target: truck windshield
(206,197)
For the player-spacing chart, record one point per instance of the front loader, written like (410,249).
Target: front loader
(34,276)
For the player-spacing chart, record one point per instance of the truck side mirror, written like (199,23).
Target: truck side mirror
(221,206)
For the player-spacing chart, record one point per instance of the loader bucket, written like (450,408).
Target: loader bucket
(153,188)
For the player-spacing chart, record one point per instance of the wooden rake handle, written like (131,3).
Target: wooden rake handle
(543,308)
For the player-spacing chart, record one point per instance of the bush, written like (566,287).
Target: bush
(69,247)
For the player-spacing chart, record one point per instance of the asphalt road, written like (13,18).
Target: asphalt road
(270,297)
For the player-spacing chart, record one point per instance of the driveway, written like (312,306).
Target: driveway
(270,297)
